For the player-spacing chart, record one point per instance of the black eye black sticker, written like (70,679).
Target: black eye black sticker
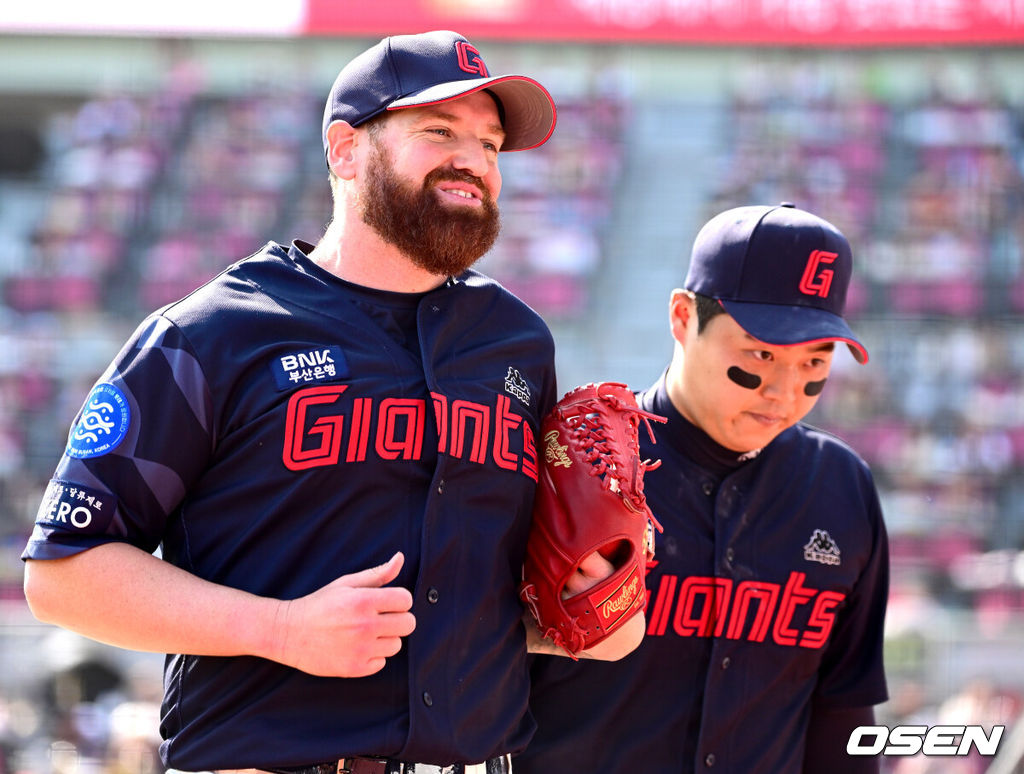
(814,388)
(744,379)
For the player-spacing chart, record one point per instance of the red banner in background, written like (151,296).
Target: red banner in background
(824,23)
(833,23)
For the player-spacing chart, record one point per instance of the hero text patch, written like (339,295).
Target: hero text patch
(75,508)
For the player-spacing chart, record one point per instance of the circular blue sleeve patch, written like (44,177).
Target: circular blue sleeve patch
(103,424)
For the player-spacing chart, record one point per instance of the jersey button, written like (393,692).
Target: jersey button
(709,761)
(428,699)
(729,555)
(440,486)
(726,662)
(433,595)
(707,488)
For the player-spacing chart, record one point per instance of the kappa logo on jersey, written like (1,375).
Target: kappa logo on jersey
(103,424)
(316,434)
(470,60)
(319,364)
(792,615)
(814,283)
(516,385)
(75,507)
(821,548)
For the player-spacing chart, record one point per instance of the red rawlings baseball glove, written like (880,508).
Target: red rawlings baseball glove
(590,497)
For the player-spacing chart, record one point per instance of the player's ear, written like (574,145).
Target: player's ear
(682,313)
(341,145)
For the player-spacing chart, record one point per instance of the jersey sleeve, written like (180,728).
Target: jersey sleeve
(852,672)
(141,438)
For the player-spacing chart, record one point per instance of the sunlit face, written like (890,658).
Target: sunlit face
(463,133)
(431,179)
(741,391)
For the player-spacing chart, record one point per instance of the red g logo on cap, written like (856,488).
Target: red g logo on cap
(814,283)
(469,59)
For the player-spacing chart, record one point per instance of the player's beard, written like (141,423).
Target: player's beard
(444,240)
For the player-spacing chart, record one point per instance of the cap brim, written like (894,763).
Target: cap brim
(529,109)
(792,325)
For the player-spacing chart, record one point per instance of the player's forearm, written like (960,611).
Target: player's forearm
(616,646)
(621,643)
(123,596)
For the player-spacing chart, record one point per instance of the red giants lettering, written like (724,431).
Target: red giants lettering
(410,445)
(464,413)
(393,429)
(713,607)
(505,422)
(328,428)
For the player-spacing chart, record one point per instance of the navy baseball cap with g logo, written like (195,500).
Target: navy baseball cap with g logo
(415,70)
(780,272)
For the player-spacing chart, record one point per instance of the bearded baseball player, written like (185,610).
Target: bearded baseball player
(768,588)
(335,447)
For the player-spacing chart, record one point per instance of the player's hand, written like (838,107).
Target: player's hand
(348,628)
(591,571)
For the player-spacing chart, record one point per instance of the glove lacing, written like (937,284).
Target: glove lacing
(591,429)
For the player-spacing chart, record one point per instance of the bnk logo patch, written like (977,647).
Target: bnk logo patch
(103,424)
(310,366)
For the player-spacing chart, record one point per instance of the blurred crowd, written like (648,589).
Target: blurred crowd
(139,198)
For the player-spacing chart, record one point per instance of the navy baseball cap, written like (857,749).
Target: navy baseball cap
(780,272)
(414,70)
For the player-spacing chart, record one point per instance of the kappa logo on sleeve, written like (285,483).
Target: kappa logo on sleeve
(309,366)
(75,508)
(103,424)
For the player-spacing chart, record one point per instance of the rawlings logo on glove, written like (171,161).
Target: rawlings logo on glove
(590,498)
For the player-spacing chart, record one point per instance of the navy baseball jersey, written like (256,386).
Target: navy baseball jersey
(278,428)
(767,597)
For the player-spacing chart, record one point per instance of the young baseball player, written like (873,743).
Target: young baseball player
(335,449)
(768,588)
